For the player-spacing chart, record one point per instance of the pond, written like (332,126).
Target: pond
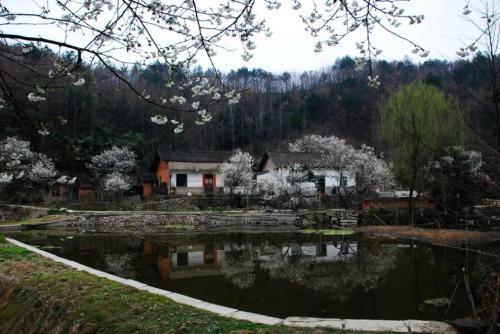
(283,274)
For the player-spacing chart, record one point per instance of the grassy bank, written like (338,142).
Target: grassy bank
(38,295)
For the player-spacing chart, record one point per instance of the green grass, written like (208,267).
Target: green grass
(2,239)
(10,252)
(50,298)
(329,231)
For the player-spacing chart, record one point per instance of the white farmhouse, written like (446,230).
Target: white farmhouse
(275,165)
(189,172)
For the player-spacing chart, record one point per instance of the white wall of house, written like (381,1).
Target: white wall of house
(332,177)
(281,175)
(219,180)
(195,258)
(195,179)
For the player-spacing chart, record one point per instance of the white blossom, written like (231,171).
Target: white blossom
(373,82)
(43,132)
(79,82)
(178,99)
(5,178)
(35,98)
(115,159)
(116,182)
(62,179)
(179,128)
(238,170)
(42,170)
(159,119)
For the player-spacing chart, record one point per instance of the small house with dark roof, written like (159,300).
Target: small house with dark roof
(275,164)
(189,172)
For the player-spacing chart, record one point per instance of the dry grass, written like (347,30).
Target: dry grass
(443,236)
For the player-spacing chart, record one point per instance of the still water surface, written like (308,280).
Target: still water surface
(280,274)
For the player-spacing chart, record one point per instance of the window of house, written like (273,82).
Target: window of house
(321,250)
(182,180)
(343,181)
(320,181)
(182,259)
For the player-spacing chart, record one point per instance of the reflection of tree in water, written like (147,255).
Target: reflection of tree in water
(239,267)
(361,271)
(282,263)
(120,265)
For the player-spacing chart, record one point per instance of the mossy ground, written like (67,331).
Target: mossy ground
(38,295)
(329,231)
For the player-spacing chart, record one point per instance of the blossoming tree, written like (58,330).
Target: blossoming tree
(111,167)
(293,186)
(19,164)
(238,172)
(42,171)
(372,173)
(116,182)
(15,157)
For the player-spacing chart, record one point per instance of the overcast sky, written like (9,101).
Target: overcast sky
(443,32)
(290,48)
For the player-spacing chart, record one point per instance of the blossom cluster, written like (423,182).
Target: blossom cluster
(113,165)
(115,159)
(116,182)
(238,170)
(19,163)
(372,172)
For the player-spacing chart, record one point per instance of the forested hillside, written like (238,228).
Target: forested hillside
(274,108)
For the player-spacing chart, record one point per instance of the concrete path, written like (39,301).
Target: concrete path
(395,326)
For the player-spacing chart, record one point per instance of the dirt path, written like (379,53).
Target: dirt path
(443,236)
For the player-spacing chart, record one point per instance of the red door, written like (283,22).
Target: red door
(208,183)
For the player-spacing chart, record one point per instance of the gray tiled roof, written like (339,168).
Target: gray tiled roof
(284,159)
(194,156)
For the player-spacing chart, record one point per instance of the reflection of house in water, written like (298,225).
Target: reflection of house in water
(189,261)
(323,252)
(202,260)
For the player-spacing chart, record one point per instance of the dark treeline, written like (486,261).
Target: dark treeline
(274,108)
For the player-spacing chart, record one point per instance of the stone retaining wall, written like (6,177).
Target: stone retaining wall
(125,223)
(150,222)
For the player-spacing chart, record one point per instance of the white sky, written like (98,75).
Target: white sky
(443,32)
(291,48)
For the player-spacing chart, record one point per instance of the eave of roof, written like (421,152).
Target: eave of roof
(194,156)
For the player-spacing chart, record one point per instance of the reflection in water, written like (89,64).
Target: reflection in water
(120,264)
(279,274)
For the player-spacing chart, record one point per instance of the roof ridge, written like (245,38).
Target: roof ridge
(160,149)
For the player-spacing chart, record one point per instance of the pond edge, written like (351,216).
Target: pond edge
(395,326)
